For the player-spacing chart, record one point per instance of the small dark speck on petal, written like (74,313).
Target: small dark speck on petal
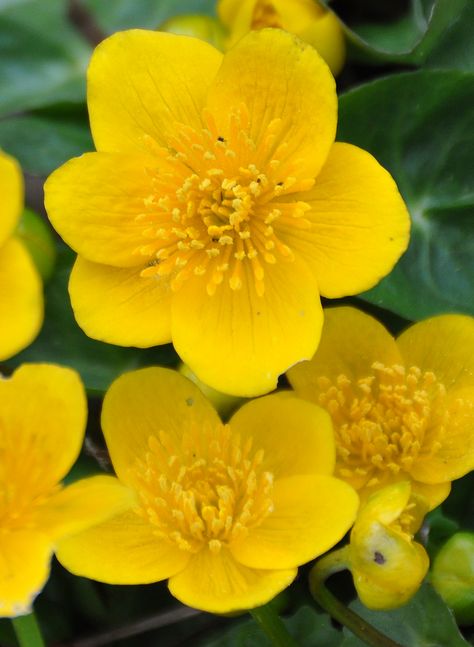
(190,402)
(379,558)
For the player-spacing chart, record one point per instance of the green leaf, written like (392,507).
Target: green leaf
(61,341)
(42,58)
(410,39)
(420,126)
(425,621)
(455,47)
(307,626)
(42,142)
(148,14)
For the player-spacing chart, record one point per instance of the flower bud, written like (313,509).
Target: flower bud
(200,26)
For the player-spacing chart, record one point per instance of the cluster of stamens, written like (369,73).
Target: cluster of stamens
(384,421)
(217,206)
(207,489)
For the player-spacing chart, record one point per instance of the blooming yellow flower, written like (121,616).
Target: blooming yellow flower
(42,421)
(308,19)
(388,567)
(21,296)
(402,409)
(200,219)
(227,512)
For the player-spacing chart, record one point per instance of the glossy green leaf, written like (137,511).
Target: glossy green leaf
(420,126)
(455,47)
(42,142)
(61,340)
(425,621)
(409,40)
(42,57)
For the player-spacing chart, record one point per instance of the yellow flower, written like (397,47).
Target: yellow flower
(42,421)
(308,19)
(388,567)
(21,296)
(402,409)
(227,512)
(200,219)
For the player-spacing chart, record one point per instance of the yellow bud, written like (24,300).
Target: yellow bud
(452,575)
(200,26)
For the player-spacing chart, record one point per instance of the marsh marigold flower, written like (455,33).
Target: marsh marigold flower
(388,567)
(218,205)
(308,19)
(21,295)
(402,409)
(226,512)
(42,421)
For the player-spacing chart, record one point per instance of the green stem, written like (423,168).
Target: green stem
(325,567)
(273,626)
(27,631)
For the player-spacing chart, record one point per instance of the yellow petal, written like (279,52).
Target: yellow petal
(326,36)
(350,342)
(434,494)
(43,409)
(83,504)
(240,342)
(312,513)
(383,506)
(123,550)
(277,76)
(143,403)
(448,450)
(296,436)
(444,345)
(24,568)
(227,10)
(360,224)
(93,202)
(11,190)
(140,83)
(21,299)
(218,584)
(119,306)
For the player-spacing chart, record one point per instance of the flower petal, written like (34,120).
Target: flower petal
(444,345)
(24,569)
(312,513)
(93,202)
(21,299)
(218,584)
(140,83)
(83,504)
(434,494)
(350,342)
(240,342)
(11,190)
(119,306)
(296,436)
(359,223)
(448,451)
(143,403)
(277,76)
(42,408)
(123,550)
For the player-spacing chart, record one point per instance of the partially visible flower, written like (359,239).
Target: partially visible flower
(452,575)
(42,421)
(388,567)
(223,403)
(308,19)
(226,512)
(205,27)
(21,291)
(218,207)
(402,409)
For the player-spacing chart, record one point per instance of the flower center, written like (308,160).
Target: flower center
(207,488)
(384,421)
(218,206)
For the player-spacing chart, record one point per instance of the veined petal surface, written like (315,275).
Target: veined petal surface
(118,306)
(140,83)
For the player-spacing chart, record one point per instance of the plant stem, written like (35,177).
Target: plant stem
(325,567)
(273,626)
(27,631)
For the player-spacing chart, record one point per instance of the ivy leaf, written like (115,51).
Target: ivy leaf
(61,341)
(420,126)
(425,621)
